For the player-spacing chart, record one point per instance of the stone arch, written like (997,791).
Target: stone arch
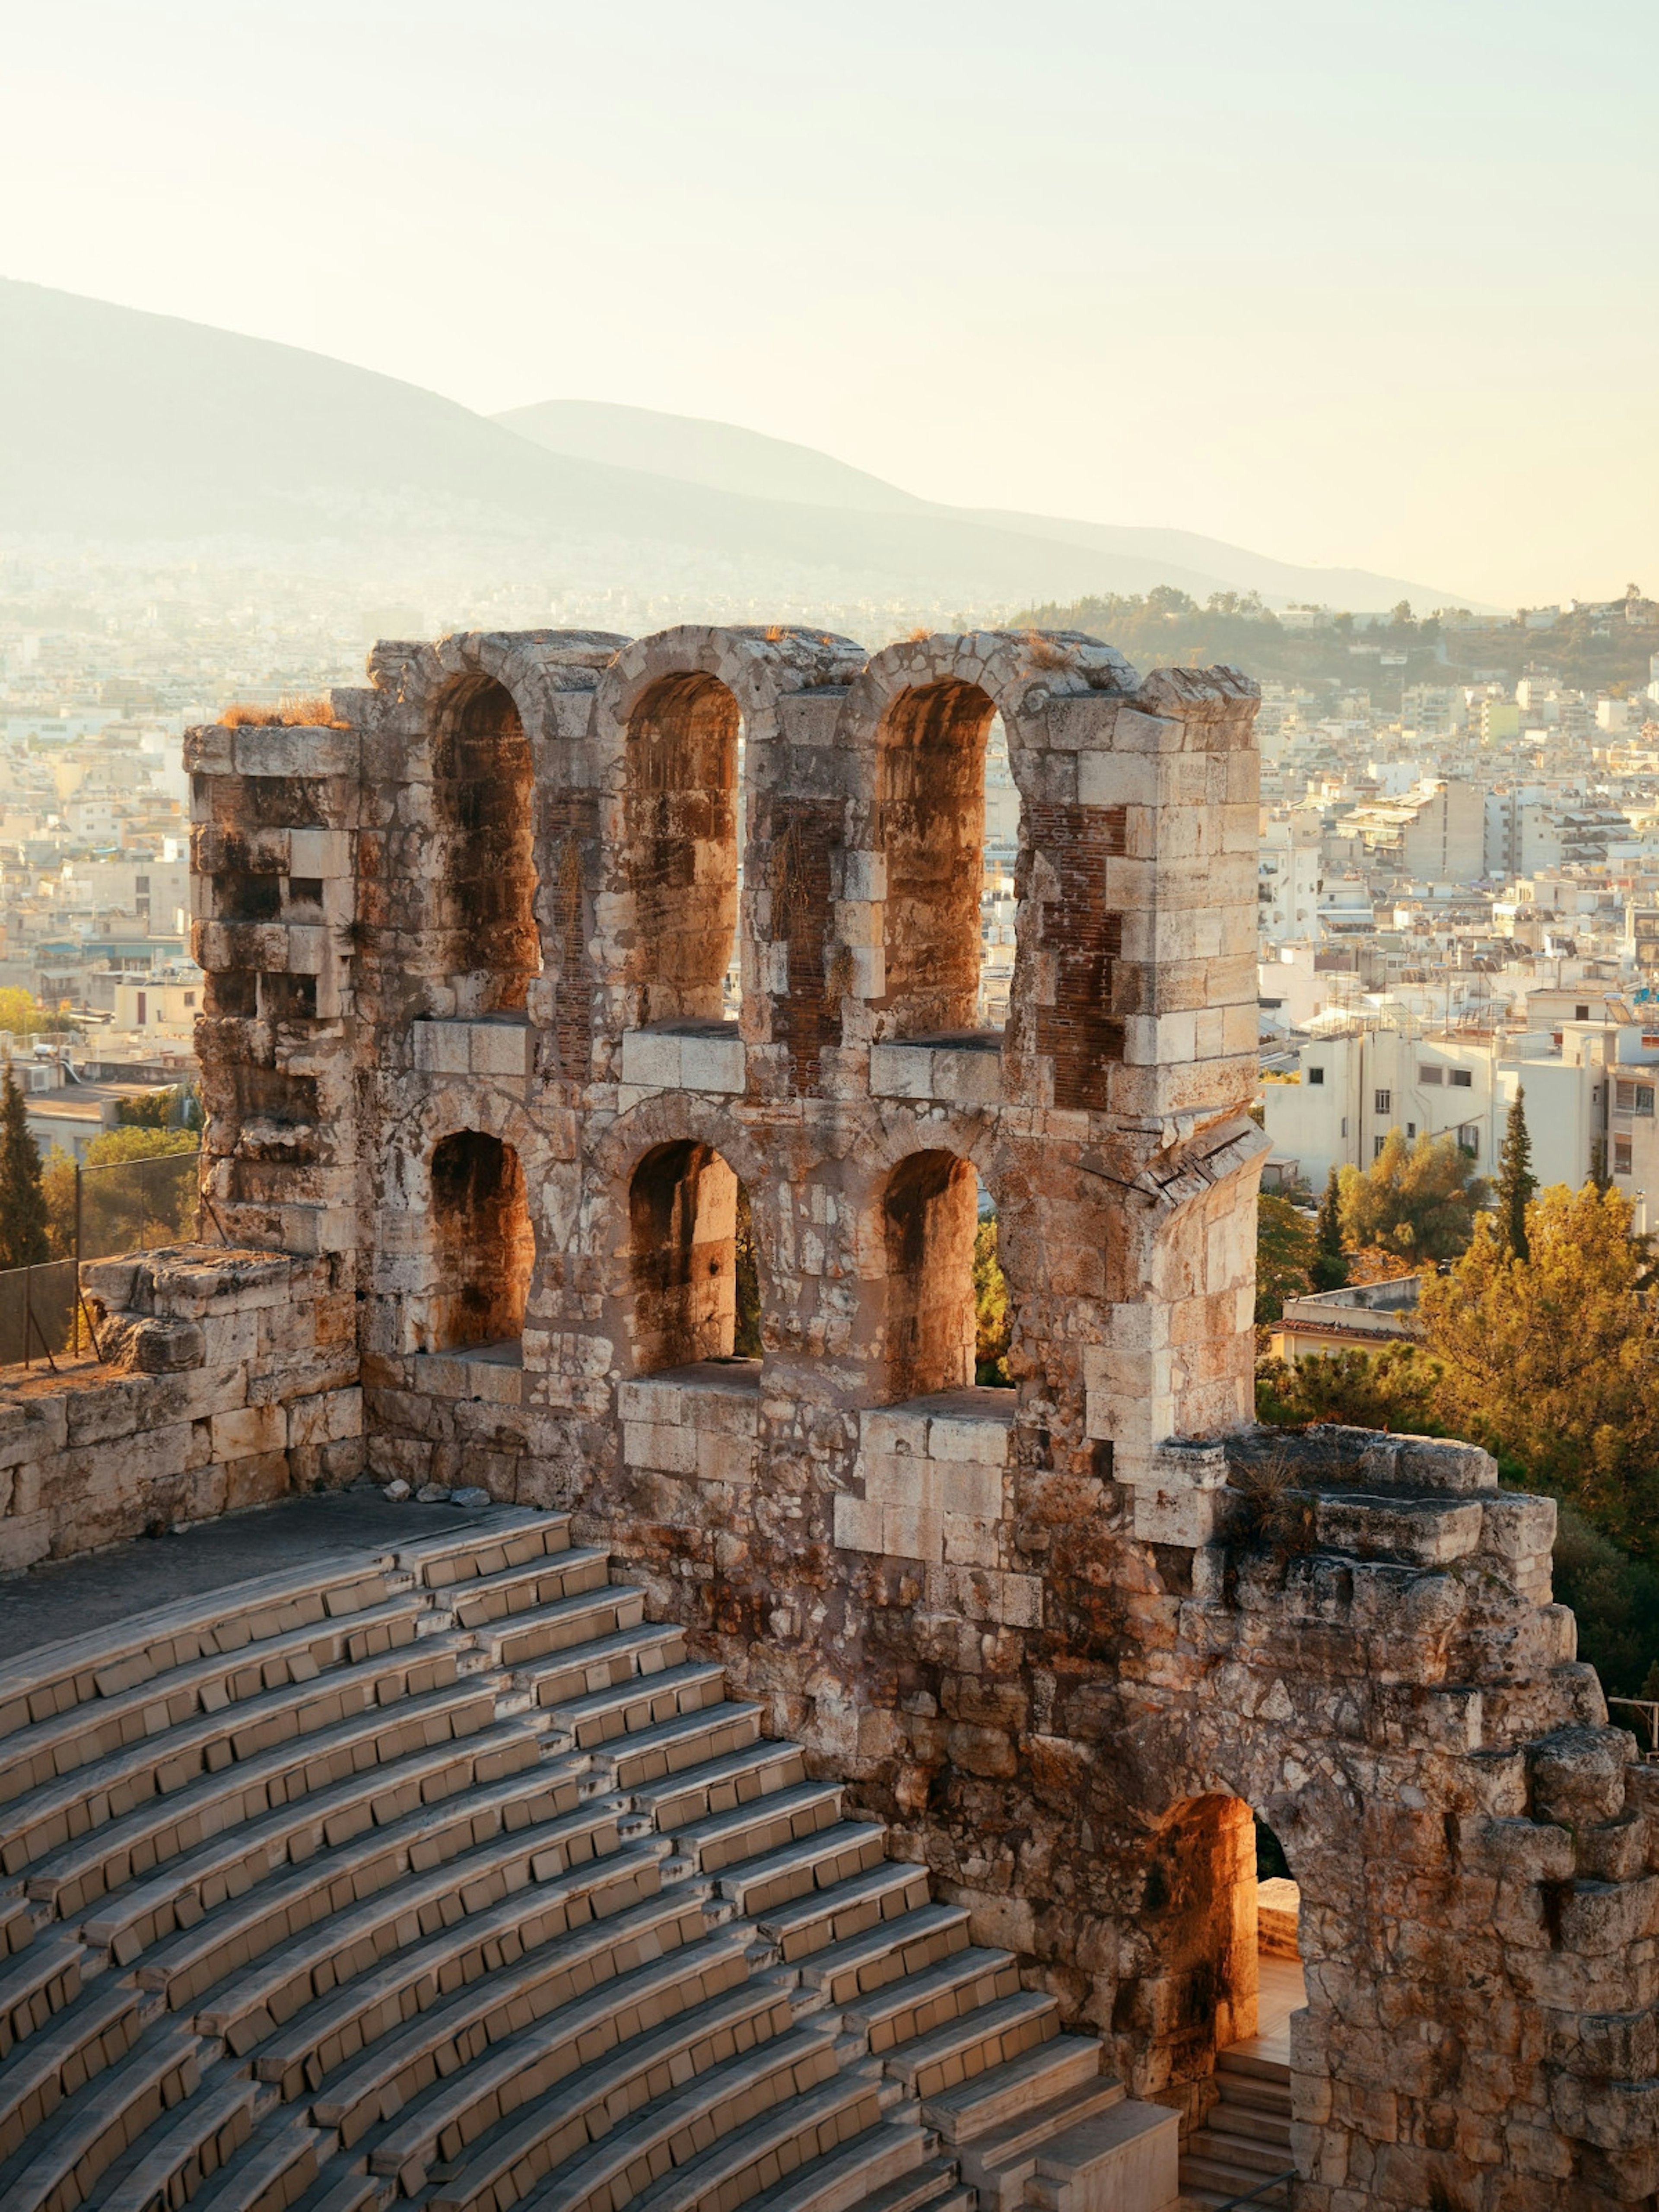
(928,1216)
(676,1177)
(484,1244)
(666,717)
(680,822)
(483,799)
(917,718)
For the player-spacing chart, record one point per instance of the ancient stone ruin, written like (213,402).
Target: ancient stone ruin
(815,1781)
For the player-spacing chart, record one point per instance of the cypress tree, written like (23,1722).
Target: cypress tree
(1330,1265)
(1516,1183)
(23,1241)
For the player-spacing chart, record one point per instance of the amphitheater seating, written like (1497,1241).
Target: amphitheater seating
(445,1876)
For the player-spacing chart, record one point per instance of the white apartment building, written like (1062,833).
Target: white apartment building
(1354,1085)
(1290,877)
(1434,835)
(1520,833)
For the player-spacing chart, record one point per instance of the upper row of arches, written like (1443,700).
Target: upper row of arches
(733,789)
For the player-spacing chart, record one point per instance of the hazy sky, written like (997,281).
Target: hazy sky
(1342,282)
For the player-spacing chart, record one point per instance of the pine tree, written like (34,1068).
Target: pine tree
(1516,1183)
(23,1242)
(1330,1263)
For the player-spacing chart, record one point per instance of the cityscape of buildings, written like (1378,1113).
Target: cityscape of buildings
(1458,883)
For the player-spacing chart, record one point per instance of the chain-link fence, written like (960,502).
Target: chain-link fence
(125,1206)
(134,1205)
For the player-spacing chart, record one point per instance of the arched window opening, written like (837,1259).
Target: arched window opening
(485,1245)
(683,837)
(1224,1929)
(996,897)
(932,794)
(930,1214)
(483,795)
(695,1285)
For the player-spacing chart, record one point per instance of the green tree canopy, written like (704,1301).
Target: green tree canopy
(1284,1252)
(1553,1360)
(1516,1183)
(23,1239)
(993,1327)
(1330,1259)
(1418,1201)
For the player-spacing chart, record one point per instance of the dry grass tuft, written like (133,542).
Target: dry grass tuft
(919,636)
(1278,1512)
(312,711)
(1046,653)
(773,633)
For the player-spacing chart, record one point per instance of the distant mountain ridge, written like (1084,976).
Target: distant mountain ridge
(723,457)
(117,426)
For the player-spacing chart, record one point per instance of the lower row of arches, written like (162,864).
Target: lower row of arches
(693,1277)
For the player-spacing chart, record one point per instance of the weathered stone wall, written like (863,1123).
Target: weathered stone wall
(1059,1636)
(229,1378)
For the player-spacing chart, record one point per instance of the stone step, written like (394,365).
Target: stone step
(92,1796)
(273,2169)
(255,1850)
(659,2017)
(765,1824)
(885,2169)
(251,2004)
(107,1661)
(838,2119)
(1123,2160)
(543,1581)
(637,1702)
(188,2151)
(739,2051)
(1014,2106)
(1001,2164)
(1231,2116)
(720,1785)
(802,1925)
(861,1964)
(34,1984)
(333,2031)
(1239,2092)
(1218,2180)
(1245,2066)
(346,1757)
(930,2185)
(566,1626)
(605,1664)
(1226,2147)
(348,2192)
(159,2072)
(535,1811)
(694,1737)
(588,1963)
(974,2043)
(83,2041)
(752,2108)
(51,1749)
(956,1985)
(820,1861)
(473,1553)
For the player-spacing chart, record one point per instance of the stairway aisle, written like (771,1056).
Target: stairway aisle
(446,1877)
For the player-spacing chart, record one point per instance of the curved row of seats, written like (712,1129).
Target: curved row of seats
(446,1877)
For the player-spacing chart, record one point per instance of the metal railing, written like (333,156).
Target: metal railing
(123,1206)
(1273,2181)
(1648,1709)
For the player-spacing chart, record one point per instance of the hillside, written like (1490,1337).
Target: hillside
(118,427)
(724,457)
